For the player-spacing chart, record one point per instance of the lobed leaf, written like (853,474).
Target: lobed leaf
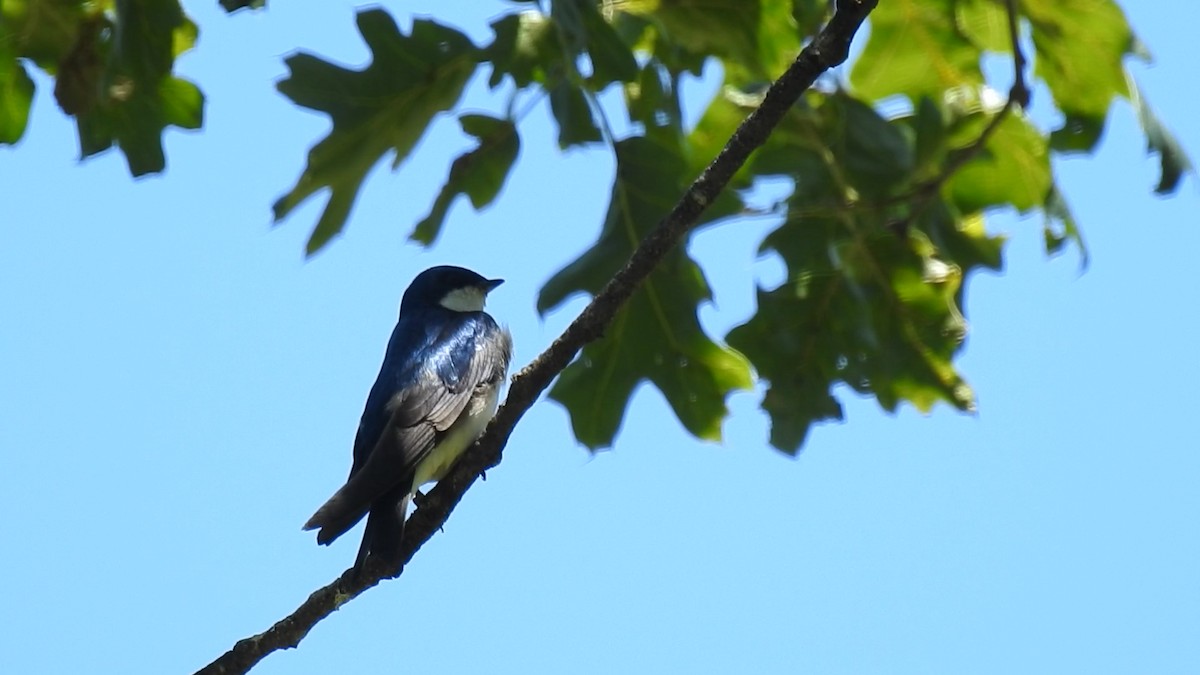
(862,306)
(916,49)
(479,173)
(383,108)
(112,73)
(657,335)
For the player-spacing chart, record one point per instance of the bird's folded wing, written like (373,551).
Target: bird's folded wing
(420,413)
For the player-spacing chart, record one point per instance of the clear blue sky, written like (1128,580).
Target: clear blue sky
(180,390)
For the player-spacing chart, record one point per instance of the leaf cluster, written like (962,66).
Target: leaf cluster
(886,217)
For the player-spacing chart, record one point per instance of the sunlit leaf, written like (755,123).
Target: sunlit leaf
(985,22)
(383,108)
(915,48)
(1079,47)
(756,39)
(16,93)
(1012,170)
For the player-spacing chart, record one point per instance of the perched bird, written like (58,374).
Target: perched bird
(436,391)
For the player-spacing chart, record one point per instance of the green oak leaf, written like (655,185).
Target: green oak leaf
(874,153)
(42,31)
(862,306)
(385,107)
(1173,160)
(569,105)
(585,31)
(138,97)
(985,22)
(915,48)
(1078,134)
(652,98)
(112,64)
(960,240)
(525,49)
(232,6)
(874,156)
(1012,170)
(929,137)
(1079,47)
(755,39)
(657,335)
(1060,226)
(16,94)
(479,173)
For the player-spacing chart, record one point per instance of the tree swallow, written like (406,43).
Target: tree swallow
(436,391)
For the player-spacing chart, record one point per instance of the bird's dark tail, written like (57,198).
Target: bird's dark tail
(385,530)
(352,501)
(334,518)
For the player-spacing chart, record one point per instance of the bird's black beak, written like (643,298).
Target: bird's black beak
(491,284)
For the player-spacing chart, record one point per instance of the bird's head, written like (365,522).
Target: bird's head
(454,288)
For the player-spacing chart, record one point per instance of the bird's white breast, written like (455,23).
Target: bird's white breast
(459,437)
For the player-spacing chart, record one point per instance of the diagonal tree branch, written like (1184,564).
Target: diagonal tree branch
(828,49)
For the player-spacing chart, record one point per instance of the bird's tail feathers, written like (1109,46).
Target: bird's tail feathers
(384,531)
(334,518)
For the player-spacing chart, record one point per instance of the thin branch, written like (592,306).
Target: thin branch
(827,50)
(1018,95)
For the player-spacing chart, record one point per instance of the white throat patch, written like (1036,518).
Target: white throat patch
(469,299)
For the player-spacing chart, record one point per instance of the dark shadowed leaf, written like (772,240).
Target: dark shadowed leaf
(234,5)
(960,240)
(875,154)
(1173,160)
(653,100)
(525,49)
(612,60)
(576,125)
(929,133)
(1078,133)
(1060,227)
(383,108)
(479,174)
(657,336)
(139,96)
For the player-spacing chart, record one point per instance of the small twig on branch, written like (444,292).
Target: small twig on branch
(827,50)
(1018,95)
